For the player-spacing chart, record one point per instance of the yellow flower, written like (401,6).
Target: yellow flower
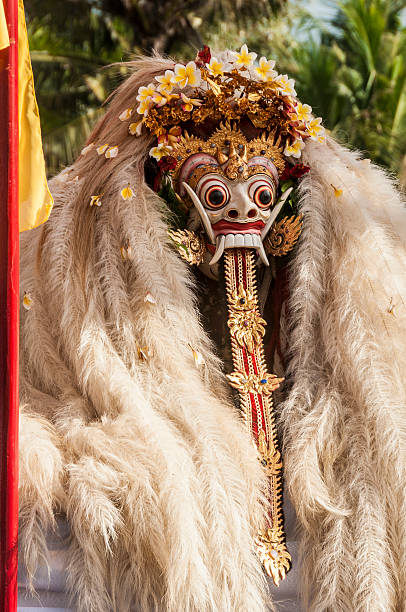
(337,191)
(171,137)
(302,113)
(144,107)
(149,298)
(174,134)
(186,75)
(111,152)
(315,130)
(197,356)
(215,67)
(126,251)
(294,150)
(265,69)
(95,200)
(286,85)
(100,150)
(87,148)
(189,103)
(144,93)
(243,58)
(160,99)
(166,81)
(390,309)
(160,151)
(27,301)
(143,353)
(135,128)
(127,193)
(126,114)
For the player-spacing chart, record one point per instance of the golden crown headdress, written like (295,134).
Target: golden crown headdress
(223,91)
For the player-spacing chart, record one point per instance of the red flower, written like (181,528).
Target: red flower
(203,56)
(294,172)
(167,163)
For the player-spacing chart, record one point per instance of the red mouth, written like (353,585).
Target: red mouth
(227,227)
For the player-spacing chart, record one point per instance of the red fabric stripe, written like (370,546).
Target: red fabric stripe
(9,313)
(254,422)
(254,363)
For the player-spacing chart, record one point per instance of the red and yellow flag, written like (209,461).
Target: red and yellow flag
(35,198)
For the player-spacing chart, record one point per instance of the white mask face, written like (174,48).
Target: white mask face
(236,213)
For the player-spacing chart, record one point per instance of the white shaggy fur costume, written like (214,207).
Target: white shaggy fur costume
(148,458)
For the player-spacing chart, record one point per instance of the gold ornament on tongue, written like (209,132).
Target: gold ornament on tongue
(255,386)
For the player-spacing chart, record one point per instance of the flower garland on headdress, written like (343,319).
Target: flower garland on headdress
(225,90)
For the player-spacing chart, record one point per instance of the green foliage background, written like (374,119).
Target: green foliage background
(350,66)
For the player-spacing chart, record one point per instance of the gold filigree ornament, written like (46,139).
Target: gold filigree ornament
(272,553)
(191,247)
(245,323)
(262,383)
(270,456)
(229,145)
(270,542)
(283,236)
(242,299)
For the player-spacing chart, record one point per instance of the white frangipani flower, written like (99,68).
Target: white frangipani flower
(27,301)
(189,103)
(303,112)
(126,114)
(215,67)
(161,150)
(87,148)
(144,106)
(144,93)
(136,128)
(315,130)
(111,152)
(166,82)
(295,149)
(186,75)
(286,85)
(265,69)
(95,200)
(244,59)
(160,99)
(102,149)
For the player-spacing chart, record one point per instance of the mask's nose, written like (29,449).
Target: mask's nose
(241,208)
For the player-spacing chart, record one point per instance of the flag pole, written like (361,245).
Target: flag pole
(9,312)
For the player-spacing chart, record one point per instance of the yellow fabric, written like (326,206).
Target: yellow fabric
(4,39)
(35,198)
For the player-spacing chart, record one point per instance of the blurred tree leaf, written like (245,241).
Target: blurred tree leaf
(350,67)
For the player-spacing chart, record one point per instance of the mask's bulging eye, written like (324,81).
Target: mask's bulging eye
(262,193)
(263,196)
(214,194)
